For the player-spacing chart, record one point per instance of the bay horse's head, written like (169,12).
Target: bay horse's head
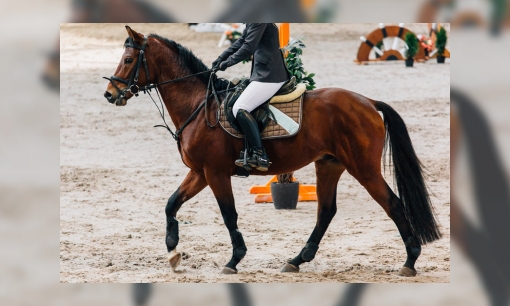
(131,71)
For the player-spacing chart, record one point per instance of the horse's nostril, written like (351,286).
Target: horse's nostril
(107,95)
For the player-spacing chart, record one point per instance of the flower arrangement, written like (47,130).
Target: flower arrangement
(294,50)
(426,44)
(233,35)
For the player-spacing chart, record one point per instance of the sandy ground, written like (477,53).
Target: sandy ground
(117,172)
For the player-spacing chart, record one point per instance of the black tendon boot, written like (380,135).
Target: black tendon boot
(257,157)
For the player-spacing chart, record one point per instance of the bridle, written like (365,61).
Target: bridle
(133,88)
(132,85)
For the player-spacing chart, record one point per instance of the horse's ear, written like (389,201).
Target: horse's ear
(137,37)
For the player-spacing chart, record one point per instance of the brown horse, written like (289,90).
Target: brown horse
(341,131)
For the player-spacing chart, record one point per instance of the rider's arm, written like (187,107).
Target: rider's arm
(247,44)
(235,46)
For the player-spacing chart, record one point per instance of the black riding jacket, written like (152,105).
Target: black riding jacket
(262,41)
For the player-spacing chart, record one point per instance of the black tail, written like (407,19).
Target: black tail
(409,177)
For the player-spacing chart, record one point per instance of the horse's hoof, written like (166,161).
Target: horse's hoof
(290,268)
(174,259)
(228,271)
(407,272)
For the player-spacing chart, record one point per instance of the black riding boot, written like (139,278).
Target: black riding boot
(257,157)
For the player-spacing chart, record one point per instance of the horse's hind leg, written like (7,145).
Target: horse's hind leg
(221,186)
(392,205)
(192,184)
(328,172)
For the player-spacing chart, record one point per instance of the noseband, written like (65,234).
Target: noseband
(132,85)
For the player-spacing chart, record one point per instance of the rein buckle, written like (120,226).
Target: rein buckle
(134,89)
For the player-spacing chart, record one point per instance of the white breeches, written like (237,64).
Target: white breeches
(254,95)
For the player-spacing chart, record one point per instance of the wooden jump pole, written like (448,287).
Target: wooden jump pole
(263,192)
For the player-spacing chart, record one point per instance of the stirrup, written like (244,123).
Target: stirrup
(242,161)
(262,163)
(255,161)
(259,160)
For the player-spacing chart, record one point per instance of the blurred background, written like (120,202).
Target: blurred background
(29,135)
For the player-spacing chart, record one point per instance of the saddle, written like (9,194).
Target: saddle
(262,114)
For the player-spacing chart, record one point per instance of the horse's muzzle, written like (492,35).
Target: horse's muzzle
(109,97)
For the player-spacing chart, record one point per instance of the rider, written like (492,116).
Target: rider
(268,74)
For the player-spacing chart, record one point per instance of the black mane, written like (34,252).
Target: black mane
(187,58)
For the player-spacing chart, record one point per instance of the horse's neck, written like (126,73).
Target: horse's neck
(181,98)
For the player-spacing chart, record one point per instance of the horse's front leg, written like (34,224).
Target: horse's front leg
(192,184)
(222,188)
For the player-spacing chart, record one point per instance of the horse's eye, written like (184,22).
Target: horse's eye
(128,60)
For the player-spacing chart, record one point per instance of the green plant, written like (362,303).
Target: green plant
(379,45)
(295,65)
(247,60)
(412,44)
(441,41)
(286,178)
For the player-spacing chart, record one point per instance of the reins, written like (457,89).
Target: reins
(134,89)
(214,93)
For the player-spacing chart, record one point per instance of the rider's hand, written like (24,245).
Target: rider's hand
(216,62)
(223,66)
